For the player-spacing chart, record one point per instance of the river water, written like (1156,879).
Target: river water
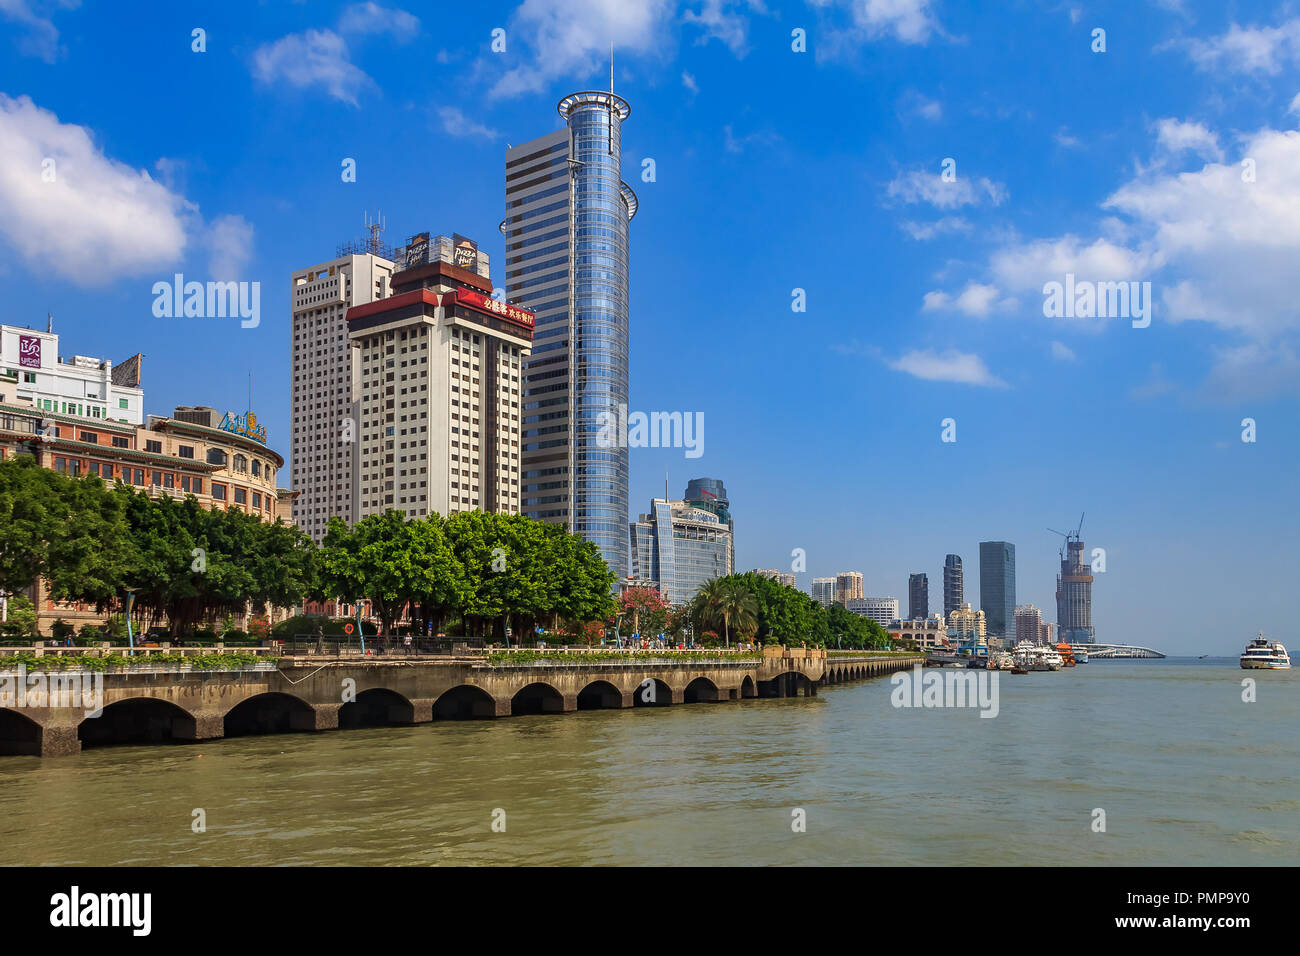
(1186,772)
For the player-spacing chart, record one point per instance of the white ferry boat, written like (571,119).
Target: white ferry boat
(1263,654)
(1037,657)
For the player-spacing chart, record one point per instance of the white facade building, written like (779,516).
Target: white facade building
(31,370)
(323,387)
(884,611)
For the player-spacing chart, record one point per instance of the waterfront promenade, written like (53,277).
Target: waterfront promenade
(170,701)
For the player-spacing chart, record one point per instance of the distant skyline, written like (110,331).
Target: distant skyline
(1172,158)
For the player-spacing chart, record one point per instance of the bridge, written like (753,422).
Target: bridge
(1101,652)
(170,702)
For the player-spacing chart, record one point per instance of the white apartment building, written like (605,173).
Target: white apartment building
(439,368)
(323,387)
(31,370)
(884,610)
(823,591)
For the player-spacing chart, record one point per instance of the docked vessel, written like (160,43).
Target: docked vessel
(1263,654)
(1037,657)
(1067,654)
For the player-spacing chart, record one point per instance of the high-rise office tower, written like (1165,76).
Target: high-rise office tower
(823,591)
(438,389)
(954,595)
(322,395)
(849,587)
(918,596)
(711,495)
(1074,595)
(780,577)
(998,587)
(566,229)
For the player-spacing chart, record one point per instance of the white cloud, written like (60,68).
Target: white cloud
(458,124)
(1249,49)
(1295,105)
(975,300)
(1252,370)
(913,103)
(928,230)
(370,17)
(735,144)
(313,58)
(1176,136)
(688,81)
(230,247)
(918,185)
(1065,140)
(908,21)
(571,39)
(41,38)
(1062,352)
(723,20)
(98,220)
(962,368)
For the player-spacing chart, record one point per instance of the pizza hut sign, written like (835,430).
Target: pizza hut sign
(29,351)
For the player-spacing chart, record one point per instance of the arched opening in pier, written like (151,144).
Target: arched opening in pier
(19,734)
(652,692)
(139,720)
(748,688)
(537,698)
(464,703)
(598,695)
(377,707)
(269,714)
(701,690)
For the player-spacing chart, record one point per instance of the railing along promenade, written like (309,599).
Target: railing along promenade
(159,694)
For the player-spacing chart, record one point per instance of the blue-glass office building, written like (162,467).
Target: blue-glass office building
(566,229)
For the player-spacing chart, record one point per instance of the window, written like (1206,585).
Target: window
(153,446)
(241,496)
(257,500)
(198,486)
(169,480)
(185,482)
(61,464)
(121,403)
(90,437)
(94,468)
(29,376)
(218,492)
(216,457)
(185,451)
(257,468)
(120,442)
(138,477)
(241,464)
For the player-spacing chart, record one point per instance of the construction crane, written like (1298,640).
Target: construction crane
(1068,535)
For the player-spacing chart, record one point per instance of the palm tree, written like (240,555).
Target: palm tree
(730,601)
(707,603)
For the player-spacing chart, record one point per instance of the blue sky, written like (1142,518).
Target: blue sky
(774,170)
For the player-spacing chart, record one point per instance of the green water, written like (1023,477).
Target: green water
(1186,772)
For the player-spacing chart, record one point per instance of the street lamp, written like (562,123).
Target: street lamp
(130,598)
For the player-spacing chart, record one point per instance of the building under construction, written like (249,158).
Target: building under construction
(1074,592)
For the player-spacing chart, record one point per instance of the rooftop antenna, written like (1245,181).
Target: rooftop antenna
(665,484)
(610,148)
(49,322)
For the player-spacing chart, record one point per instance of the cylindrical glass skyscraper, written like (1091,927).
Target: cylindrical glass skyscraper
(601,206)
